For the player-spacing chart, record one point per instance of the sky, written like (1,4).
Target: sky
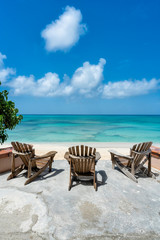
(81,56)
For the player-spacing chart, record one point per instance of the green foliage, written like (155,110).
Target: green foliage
(8,115)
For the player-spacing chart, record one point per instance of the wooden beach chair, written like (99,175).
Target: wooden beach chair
(134,163)
(82,160)
(34,165)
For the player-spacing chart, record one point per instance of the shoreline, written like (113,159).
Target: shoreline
(92,144)
(62,147)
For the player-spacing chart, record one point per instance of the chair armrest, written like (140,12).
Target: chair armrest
(49,154)
(68,155)
(20,153)
(143,153)
(98,156)
(119,154)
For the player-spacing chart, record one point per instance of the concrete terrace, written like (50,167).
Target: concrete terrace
(45,209)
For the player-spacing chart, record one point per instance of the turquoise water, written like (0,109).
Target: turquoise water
(87,128)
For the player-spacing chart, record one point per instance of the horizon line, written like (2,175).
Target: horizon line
(93,114)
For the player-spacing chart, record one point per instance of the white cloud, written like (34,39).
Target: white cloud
(5,73)
(1,59)
(48,86)
(84,80)
(129,88)
(88,76)
(23,85)
(64,32)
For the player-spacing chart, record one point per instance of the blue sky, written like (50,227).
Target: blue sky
(81,57)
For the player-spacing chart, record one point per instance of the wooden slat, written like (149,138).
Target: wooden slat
(73,151)
(22,147)
(83,165)
(86,151)
(137,148)
(70,150)
(82,150)
(27,158)
(86,165)
(14,146)
(26,147)
(30,147)
(77,150)
(90,151)
(94,151)
(18,147)
(144,147)
(90,163)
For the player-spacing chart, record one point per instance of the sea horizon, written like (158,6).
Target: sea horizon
(52,114)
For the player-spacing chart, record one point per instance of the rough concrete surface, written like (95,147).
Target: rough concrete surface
(45,209)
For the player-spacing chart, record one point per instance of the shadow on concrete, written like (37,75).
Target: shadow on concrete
(104,178)
(44,175)
(54,172)
(89,182)
(141,174)
(86,182)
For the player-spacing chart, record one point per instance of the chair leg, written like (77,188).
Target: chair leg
(95,181)
(36,174)
(13,164)
(29,168)
(113,161)
(70,180)
(132,169)
(149,165)
(50,164)
(126,171)
(12,175)
(16,172)
(70,184)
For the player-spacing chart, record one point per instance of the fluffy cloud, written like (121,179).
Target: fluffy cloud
(23,85)
(129,88)
(84,80)
(5,73)
(88,76)
(64,32)
(49,85)
(1,59)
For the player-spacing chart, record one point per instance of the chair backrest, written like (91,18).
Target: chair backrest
(83,151)
(24,148)
(139,148)
(83,160)
(83,164)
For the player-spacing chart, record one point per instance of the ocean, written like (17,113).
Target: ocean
(87,128)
